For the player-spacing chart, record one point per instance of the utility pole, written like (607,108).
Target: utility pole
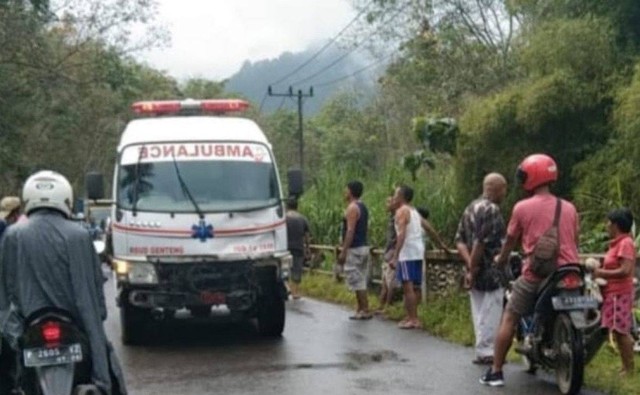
(300,96)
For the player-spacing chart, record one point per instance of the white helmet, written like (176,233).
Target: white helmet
(47,189)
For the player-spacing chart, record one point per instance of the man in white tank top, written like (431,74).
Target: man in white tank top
(409,254)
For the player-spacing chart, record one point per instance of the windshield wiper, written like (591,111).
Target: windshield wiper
(185,189)
(136,183)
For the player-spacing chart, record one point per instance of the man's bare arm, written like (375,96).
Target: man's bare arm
(402,220)
(435,236)
(352,214)
(506,250)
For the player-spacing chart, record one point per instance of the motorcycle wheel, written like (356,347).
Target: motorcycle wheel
(569,352)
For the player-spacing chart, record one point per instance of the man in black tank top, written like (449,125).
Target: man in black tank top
(355,249)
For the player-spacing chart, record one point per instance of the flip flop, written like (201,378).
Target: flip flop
(361,317)
(409,325)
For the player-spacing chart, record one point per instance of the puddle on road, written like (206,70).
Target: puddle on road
(354,361)
(361,359)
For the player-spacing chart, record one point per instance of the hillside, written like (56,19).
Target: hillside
(253,79)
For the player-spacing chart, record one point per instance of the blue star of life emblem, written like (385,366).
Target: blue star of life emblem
(202,231)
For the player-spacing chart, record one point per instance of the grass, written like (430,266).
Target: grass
(449,317)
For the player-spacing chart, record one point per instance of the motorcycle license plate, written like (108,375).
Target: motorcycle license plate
(63,355)
(574,302)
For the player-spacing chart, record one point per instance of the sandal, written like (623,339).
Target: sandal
(409,325)
(360,316)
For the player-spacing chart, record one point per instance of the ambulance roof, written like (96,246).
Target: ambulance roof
(191,128)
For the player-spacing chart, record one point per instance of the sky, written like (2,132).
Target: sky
(213,38)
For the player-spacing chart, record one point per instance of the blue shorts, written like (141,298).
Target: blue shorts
(409,271)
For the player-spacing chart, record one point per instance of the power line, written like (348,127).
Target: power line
(281,104)
(290,94)
(264,98)
(335,81)
(325,47)
(357,46)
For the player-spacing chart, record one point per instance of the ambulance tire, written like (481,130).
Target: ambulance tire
(271,316)
(133,323)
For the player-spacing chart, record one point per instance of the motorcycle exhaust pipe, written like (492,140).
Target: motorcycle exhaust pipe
(595,322)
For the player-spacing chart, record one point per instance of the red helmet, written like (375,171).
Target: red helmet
(537,170)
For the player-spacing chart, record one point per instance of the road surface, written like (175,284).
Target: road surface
(322,352)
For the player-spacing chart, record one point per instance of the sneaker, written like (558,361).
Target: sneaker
(492,379)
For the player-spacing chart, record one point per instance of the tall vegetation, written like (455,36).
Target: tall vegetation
(513,76)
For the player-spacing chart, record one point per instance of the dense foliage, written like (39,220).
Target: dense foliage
(473,87)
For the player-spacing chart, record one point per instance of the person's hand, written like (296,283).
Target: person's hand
(342,257)
(393,263)
(469,280)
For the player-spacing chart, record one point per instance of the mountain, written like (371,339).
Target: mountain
(253,79)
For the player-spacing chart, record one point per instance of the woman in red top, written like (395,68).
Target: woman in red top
(618,269)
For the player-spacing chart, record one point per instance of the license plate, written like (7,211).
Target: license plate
(216,298)
(574,302)
(63,355)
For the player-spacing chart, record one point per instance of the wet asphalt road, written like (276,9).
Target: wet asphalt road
(321,352)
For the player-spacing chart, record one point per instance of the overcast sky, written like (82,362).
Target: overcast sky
(212,38)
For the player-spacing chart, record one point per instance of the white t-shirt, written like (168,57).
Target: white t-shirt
(413,247)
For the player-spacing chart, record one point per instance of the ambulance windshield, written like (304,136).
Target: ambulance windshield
(216,185)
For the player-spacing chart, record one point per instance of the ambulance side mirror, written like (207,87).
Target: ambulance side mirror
(296,182)
(94,184)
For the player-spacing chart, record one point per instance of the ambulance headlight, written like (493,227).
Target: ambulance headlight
(142,273)
(135,272)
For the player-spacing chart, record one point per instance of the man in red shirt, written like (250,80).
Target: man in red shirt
(530,219)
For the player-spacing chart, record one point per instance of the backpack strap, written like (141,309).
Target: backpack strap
(556,219)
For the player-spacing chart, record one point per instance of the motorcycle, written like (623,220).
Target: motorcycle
(54,356)
(563,334)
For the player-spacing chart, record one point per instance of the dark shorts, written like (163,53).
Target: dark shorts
(409,271)
(523,297)
(296,268)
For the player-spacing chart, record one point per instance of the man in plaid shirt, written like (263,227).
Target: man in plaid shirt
(478,239)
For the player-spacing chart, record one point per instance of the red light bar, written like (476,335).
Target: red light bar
(174,107)
(156,107)
(223,105)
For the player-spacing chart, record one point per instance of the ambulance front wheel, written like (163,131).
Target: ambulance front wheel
(271,316)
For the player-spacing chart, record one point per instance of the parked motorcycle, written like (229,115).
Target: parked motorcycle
(54,356)
(564,332)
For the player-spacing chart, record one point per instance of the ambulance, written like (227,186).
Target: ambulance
(198,218)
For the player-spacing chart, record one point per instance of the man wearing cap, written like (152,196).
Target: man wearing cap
(9,212)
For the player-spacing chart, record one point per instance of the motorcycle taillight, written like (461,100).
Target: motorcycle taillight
(51,332)
(570,281)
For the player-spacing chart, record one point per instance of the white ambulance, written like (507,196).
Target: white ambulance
(198,217)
